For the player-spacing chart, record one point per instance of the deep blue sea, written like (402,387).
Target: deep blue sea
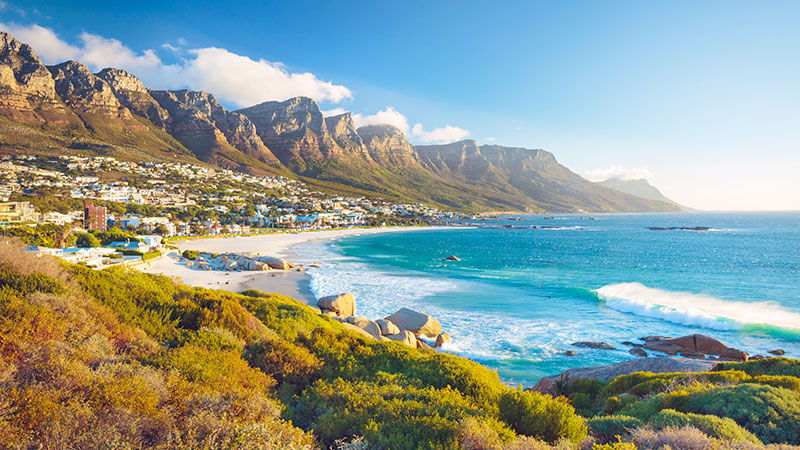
(520,296)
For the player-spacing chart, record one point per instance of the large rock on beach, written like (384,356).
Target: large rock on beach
(693,346)
(342,304)
(406,337)
(609,372)
(387,327)
(442,338)
(638,351)
(275,263)
(357,330)
(418,323)
(370,327)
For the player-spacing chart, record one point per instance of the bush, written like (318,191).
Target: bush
(190,254)
(783,381)
(718,427)
(541,416)
(612,405)
(285,361)
(607,428)
(767,366)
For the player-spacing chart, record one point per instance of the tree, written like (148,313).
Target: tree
(87,240)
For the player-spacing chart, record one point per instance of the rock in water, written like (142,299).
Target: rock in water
(343,304)
(733,354)
(387,327)
(638,351)
(422,345)
(418,323)
(599,345)
(570,353)
(442,339)
(452,258)
(777,351)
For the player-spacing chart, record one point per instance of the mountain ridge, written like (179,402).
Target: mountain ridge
(67,109)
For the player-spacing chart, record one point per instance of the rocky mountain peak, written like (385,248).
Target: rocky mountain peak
(78,86)
(120,80)
(21,71)
(387,146)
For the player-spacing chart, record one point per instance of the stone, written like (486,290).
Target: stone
(756,357)
(387,327)
(570,353)
(357,330)
(611,371)
(422,345)
(418,323)
(406,337)
(638,351)
(452,258)
(733,354)
(597,345)
(370,327)
(699,343)
(663,347)
(777,351)
(275,263)
(343,304)
(654,338)
(441,339)
(691,354)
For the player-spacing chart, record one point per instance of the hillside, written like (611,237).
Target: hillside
(639,188)
(66,109)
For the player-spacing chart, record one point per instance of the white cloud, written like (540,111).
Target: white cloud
(233,78)
(99,52)
(442,135)
(50,48)
(490,139)
(333,112)
(388,116)
(244,81)
(614,171)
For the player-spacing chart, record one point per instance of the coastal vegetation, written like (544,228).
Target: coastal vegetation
(118,358)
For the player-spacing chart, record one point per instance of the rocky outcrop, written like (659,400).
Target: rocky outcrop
(294,129)
(638,351)
(344,305)
(387,327)
(343,131)
(388,146)
(25,84)
(132,94)
(777,351)
(85,92)
(694,346)
(609,372)
(441,339)
(405,337)
(418,323)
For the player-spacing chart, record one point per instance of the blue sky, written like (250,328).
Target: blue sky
(702,98)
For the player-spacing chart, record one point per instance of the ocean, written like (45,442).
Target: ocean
(520,296)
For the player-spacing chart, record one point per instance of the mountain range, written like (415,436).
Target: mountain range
(65,108)
(639,187)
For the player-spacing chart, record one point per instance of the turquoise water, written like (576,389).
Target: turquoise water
(519,297)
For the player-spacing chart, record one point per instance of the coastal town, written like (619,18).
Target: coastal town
(120,212)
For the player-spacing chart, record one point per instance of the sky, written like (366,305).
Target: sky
(700,98)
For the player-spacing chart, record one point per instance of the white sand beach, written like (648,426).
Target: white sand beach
(287,282)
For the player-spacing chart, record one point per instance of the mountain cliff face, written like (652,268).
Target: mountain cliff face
(388,147)
(295,131)
(27,89)
(130,92)
(640,188)
(66,108)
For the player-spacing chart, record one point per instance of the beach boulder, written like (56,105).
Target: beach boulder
(416,322)
(422,345)
(275,263)
(357,330)
(406,337)
(342,304)
(387,327)
(441,339)
(638,351)
(370,327)
(733,354)
(777,351)
(693,346)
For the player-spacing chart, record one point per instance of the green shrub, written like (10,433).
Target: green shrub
(285,361)
(581,402)
(607,428)
(215,339)
(612,405)
(783,381)
(718,427)
(190,254)
(541,416)
(767,366)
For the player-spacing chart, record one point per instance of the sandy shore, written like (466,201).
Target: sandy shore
(287,282)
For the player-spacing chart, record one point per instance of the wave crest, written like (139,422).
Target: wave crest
(695,309)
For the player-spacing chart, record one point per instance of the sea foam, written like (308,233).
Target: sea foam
(696,309)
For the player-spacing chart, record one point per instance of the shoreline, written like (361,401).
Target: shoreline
(293,282)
